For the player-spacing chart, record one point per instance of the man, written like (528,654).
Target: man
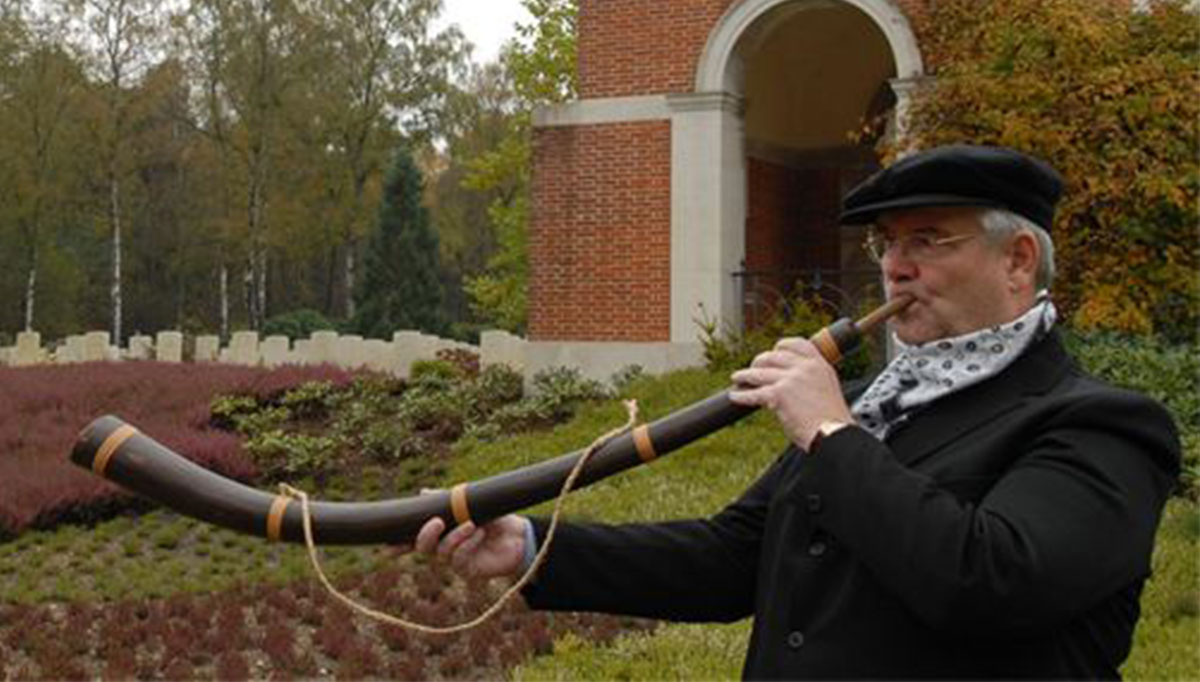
(982,510)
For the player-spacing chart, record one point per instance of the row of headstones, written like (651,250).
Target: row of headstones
(245,348)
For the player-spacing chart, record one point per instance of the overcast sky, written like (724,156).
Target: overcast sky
(486,23)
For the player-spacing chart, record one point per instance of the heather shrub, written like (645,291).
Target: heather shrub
(48,405)
(466,361)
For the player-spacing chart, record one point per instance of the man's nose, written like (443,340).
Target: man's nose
(897,266)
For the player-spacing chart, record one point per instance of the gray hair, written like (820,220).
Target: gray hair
(1000,224)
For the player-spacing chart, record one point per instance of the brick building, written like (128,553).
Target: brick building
(698,173)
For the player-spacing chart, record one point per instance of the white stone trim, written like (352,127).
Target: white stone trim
(718,70)
(708,210)
(603,110)
(600,360)
(905,89)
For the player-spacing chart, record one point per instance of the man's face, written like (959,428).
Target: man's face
(960,285)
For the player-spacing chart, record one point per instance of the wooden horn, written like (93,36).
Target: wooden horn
(119,452)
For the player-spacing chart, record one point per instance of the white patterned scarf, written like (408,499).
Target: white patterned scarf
(920,374)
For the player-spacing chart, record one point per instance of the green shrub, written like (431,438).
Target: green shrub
(227,410)
(297,324)
(435,372)
(726,350)
(625,377)
(437,412)
(310,400)
(495,387)
(282,454)
(1168,373)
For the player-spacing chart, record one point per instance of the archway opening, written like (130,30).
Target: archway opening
(815,76)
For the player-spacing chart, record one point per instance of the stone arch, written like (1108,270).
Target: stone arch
(717,71)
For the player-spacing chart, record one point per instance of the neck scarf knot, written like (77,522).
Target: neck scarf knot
(922,373)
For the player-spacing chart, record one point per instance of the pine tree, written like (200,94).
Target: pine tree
(400,288)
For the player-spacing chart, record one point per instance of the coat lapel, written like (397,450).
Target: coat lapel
(943,421)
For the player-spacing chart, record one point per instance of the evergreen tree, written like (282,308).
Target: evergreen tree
(400,287)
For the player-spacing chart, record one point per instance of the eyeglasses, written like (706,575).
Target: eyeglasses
(917,246)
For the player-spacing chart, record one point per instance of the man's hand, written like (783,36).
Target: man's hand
(495,549)
(797,384)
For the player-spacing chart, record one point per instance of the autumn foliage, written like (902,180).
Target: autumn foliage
(1109,97)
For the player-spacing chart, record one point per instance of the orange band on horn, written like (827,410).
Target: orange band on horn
(109,447)
(458,504)
(641,441)
(275,517)
(827,346)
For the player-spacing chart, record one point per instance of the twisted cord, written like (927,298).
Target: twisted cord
(285,489)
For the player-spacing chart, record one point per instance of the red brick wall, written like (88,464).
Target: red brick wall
(642,47)
(599,239)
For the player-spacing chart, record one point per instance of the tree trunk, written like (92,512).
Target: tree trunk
(248,290)
(351,250)
(31,291)
(262,287)
(223,280)
(114,215)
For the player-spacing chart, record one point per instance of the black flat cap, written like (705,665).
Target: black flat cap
(959,175)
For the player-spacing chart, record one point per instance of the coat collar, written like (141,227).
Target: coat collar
(1040,368)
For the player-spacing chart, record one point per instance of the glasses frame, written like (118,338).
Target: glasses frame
(877,246)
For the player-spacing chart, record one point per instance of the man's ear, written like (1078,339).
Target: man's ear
(1024,253)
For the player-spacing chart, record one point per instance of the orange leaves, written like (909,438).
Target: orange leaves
(1108,96)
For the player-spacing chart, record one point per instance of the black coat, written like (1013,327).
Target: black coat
(1003,532)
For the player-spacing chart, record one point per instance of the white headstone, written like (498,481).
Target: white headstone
(71,350)
(141,347)
(243,348)
(169,347)
(275,351)
(28,350)
(406,348)
(95,347)
(348,351)
(302,352)
(377,353)
(321,348)
(207,348)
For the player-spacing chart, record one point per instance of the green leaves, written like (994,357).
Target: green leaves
(543,70)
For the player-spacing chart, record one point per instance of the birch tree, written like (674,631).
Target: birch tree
(43,89)
(119,36)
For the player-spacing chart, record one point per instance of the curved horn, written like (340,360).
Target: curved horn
(119,452)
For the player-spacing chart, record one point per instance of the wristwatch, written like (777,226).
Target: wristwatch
(825,428)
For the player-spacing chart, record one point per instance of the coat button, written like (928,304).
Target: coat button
(795,639)
(813,502)
(817,548)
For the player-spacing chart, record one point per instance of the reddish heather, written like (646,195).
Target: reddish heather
(44,408)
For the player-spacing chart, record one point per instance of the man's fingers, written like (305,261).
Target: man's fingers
(461,559)
(453,539)
(756,376)
(427,537)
